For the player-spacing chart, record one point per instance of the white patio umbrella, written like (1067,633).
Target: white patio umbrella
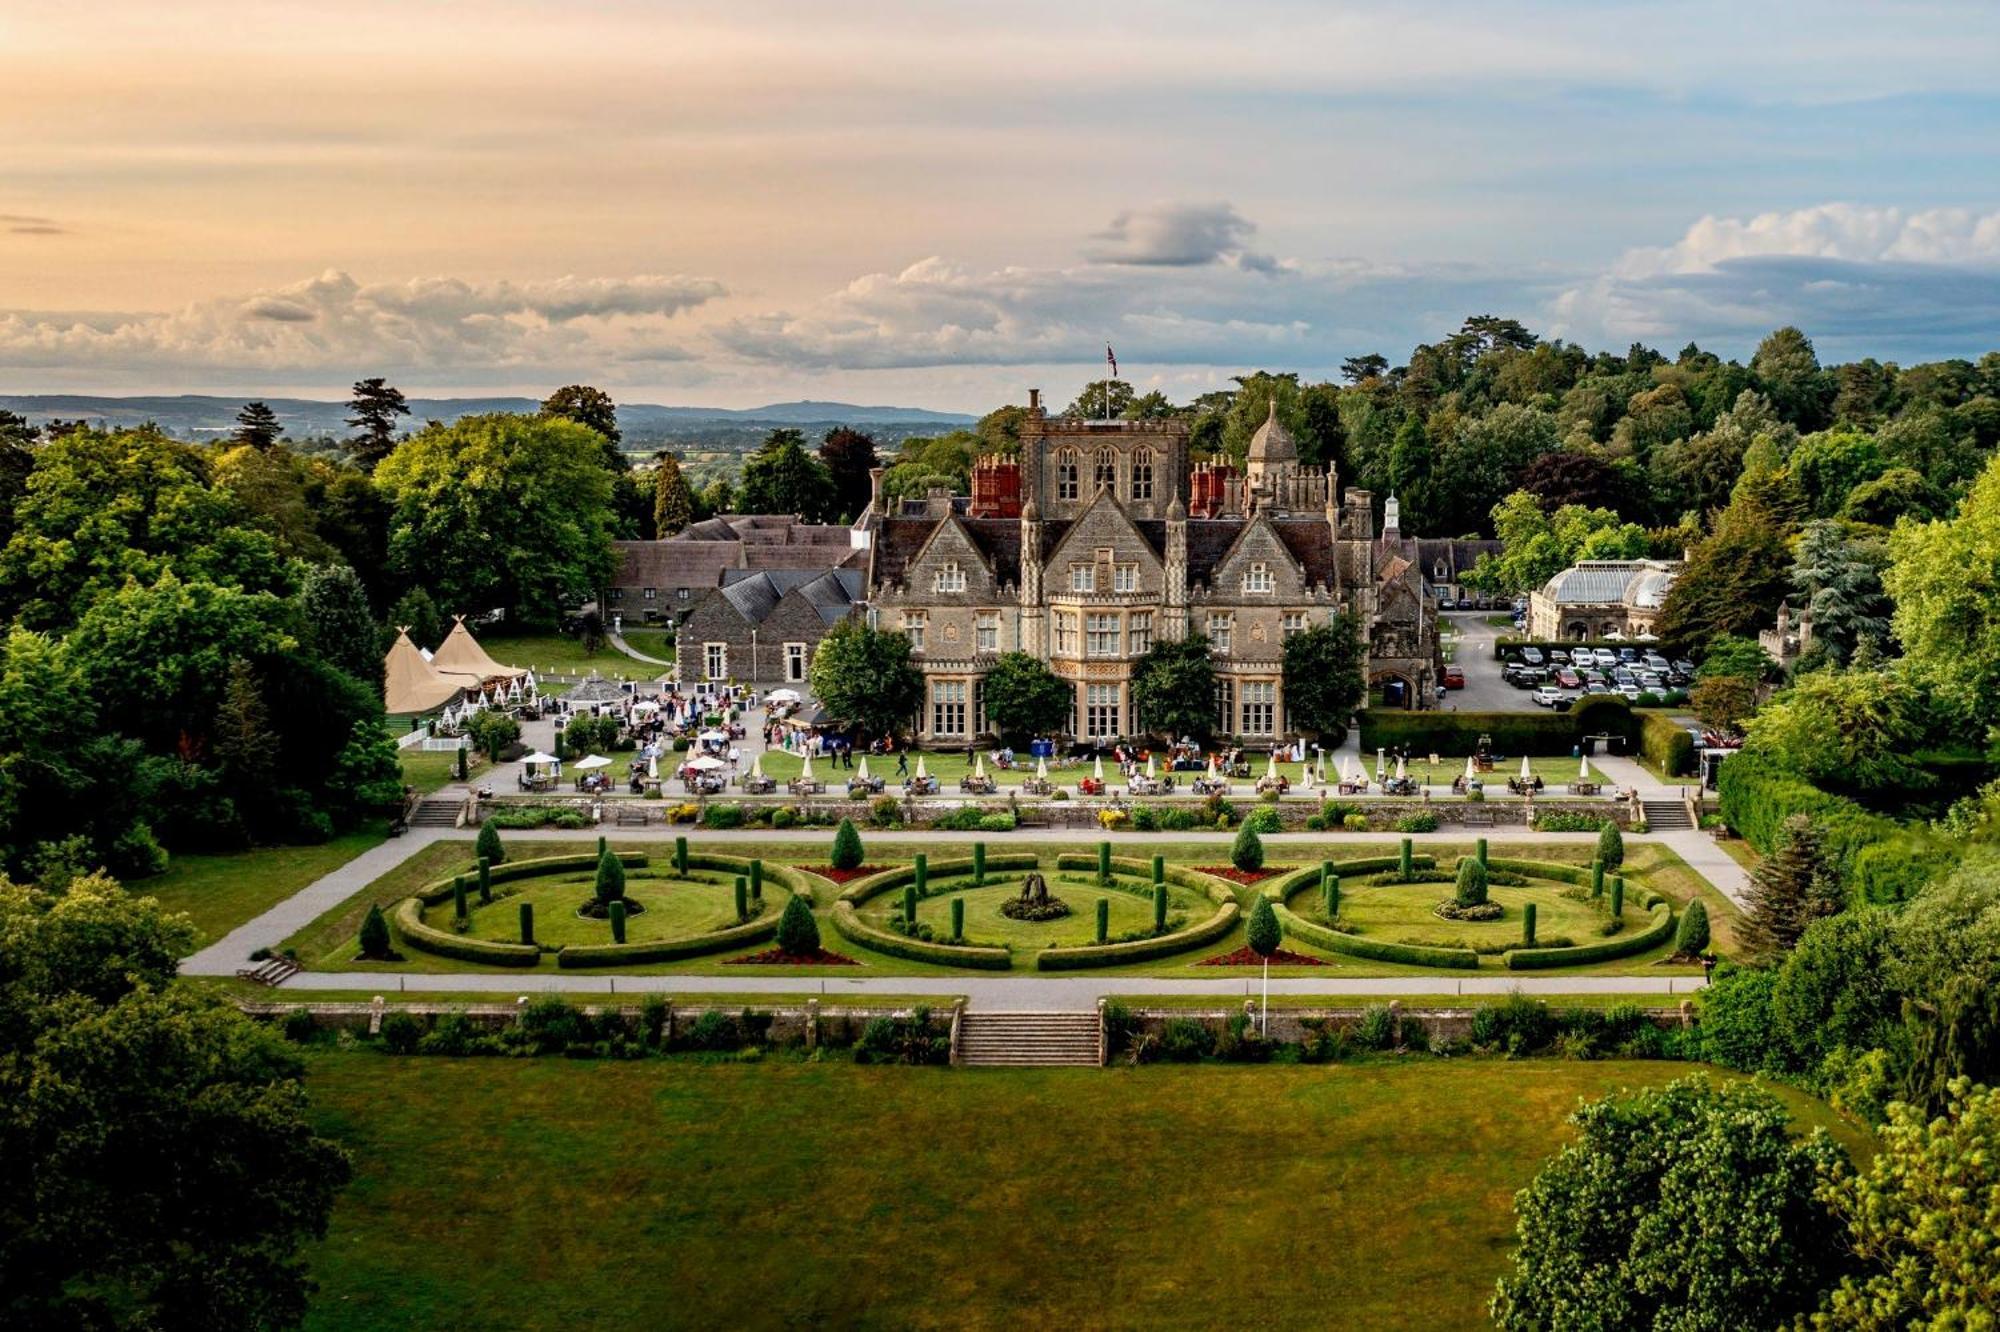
(1041,769)
(1214,764)
(1471,770)
(1402,767)
(757,765)
(706,763)
(1151,772)
(1381,763)
(591,763)
(782,696)
(979,766)
(806,766)
(536,759)
(653,767)
(861,772)
(1097,767)
(1526,771)
(1583,770)
(713,736)
(1306,778)
(921,774)
(1271,764)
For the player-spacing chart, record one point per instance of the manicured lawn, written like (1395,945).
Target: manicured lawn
(1131,909)
(653,642)
(221,892)
(674,908)
(1401,913)
(556,652)
(434,771)
(673,1193)
(328,943)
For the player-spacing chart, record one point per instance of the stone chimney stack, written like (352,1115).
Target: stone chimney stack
(875,489)
(1034,400)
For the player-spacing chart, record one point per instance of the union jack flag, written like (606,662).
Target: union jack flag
(1111,357)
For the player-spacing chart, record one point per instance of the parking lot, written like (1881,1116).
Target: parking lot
(1485,689)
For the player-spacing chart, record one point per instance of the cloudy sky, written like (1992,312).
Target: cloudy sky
(940,204)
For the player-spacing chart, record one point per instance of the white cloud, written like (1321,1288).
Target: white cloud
(335,325)
(1862,280)
(1179,235)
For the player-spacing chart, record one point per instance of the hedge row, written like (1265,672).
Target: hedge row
(848,923)
(670,950)
(1666,746)
(433,893)
(1620,945)
(408,918)
(1536,733)
(1354,945)
(1140,950)
(876,884)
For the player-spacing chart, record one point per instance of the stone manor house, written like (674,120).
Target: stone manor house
(1100,537)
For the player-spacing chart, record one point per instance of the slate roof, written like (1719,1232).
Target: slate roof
(674,563)
(1458,555)
(830,592)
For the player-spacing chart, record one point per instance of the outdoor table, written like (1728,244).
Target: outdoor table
(917,786)
(759,785)
(864,785)
(1091,786)
(1584,788)
(1210,786)
(977,785)
(800,786)
(1268,784)
(1040,786)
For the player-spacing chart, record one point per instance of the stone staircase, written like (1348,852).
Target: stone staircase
(273,971)
(1019,1040)
(435,813)
(1666,816)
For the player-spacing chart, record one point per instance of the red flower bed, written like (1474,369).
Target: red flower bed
(778,957)
(1234,875)
(842,876)
(1246,956)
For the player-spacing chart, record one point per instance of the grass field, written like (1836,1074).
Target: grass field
(653,642)
(1401,913)
(328,943)
(677,1194)
(221,892)
(556,652)
(432,771)
(1131,909)
(674,908)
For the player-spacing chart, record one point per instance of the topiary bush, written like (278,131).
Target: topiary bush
(1263,934)
(1597,878)
(846,853)
(1405,859)
(1247,854)
(1617,898)
(957,919)
(1159,903)
(681,856)
(375,935)
(742,898)
(610,883)
(1528,925)
(1691,940)
(1103,919)
(527,922)
(617,922)
(488,847)
(756,880)
(1471,888)
(798,932)
(978,865)
(458,897)
(1611,845)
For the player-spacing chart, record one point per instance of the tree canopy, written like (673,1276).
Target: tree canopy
(864,678)
(1173,688)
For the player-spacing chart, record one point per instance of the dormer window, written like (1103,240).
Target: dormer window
(1066,470)
(951,577)
(1258,579)
(1083,578)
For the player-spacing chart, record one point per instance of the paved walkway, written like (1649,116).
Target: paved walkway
(1700,850)
(617,640)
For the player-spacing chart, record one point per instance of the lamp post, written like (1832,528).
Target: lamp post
(753,657)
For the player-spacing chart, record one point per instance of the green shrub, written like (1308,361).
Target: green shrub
(910,907)
(681,856)
(400,1031)
(957,919)
(1563,820)
(1406,859)
(1184,1040)
(722,816)
(979,864)
(617,922)
(784,817)
(1597,878)
(1355,823)
(1479,852)
(375,934)
(798,932)
(1159,869)
(1538,733)
(1666,745)
(527,922)
(885,811)
(1330,895)
(1417,823)
(920,873)
(1691,939)
(1103,919)
(1159,901)
(1265,820)
(1528,925)
(1247,853)
(1610,845)
(488,847)
(1263,934)
(742,898)
(1104,862)
(458,910)
(1377,1028)
(1617,898)
(485,881)
(997,823)
(610,883)
(1471,889)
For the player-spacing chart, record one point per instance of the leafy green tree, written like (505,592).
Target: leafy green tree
(244,745)
(1732,654)
(1944,578)
(593,409)
(1724,703)
(1470,890)
(1691,935)
(1485,459)
(1024,698)
(1852,730)
(1789,890)
(864,677)
(1921,1220)
(673,502)
(160,1163)
(376,404)
(1102,399)
(500,510)
(1262,933)
(1173,688)
(798,932)
(1836,991)
(1323,680)
(921,463)
(1897,493)
(848,456)
(1610,846)
(1732,583)
(846,853)
(1361,369)
(488,846)
(1841,579)
(781,477)
(1688,1206)
(257,425)
(1825,468)
(493,732)
(1947,969)
(1788,371)
(277,492)
(610,883)
(416,612)
(1412,460)
(374,938)
(337,623)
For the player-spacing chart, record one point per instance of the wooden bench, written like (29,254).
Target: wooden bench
(631,817)
(1478,818)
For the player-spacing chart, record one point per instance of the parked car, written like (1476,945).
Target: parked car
(1685,667)
(1546,696)
(1446,603)
(1604,658)
(1653,661)
(1569,679)
(1630,693)
(1532,655)
(1651,681)
(1560,655)
(1628,654)
(1595,680)
(1454,678)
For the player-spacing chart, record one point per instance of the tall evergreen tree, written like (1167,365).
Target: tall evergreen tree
(376,404)
(1789,890)
(257,425)
(848,455)
(673,502)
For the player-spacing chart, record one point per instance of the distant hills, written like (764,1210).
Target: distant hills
(195,415)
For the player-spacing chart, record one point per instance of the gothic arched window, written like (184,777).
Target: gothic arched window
(1066,469)
(1107,469)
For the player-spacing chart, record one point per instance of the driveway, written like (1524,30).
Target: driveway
(1484,690)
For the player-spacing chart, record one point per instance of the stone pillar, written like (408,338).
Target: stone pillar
(812,1024)
(375,1010)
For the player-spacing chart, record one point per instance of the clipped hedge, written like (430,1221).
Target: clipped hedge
(408,919)
(1666,746)
(1216,890)
(1140,950)
(876,884)
(1379,950)
(1619,945)
(1534,733)
(433,893)
(848,924)
(1759,794)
